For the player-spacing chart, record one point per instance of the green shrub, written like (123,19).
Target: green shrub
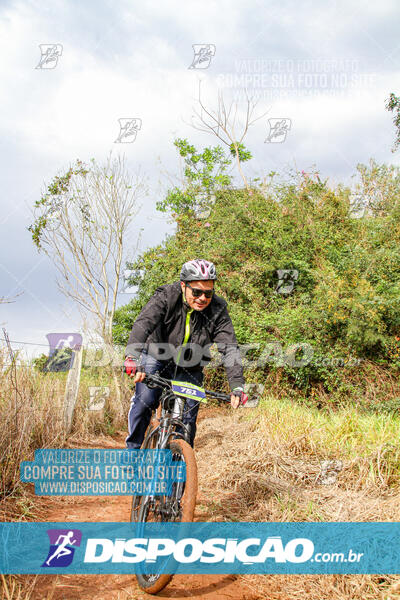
(346,301)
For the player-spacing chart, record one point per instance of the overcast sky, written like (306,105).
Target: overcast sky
(325,67)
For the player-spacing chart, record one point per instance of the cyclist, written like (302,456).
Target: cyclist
(185,310)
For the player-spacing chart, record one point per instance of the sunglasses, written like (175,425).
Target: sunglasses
(197,293)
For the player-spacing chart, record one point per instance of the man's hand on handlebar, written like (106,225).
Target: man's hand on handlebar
(134,370)
(238,397)
(140,375)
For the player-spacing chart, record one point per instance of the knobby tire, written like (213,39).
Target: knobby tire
(182,448)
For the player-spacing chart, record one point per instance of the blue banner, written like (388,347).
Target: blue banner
(100,472)
(247,548)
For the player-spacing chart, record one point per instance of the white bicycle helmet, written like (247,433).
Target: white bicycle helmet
(198,270)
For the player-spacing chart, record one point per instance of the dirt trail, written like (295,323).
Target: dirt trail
(117,508)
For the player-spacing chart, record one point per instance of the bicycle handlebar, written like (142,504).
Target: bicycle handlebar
(167,383)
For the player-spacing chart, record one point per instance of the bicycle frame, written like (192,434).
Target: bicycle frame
(169,420)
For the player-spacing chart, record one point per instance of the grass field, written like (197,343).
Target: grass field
(274,454)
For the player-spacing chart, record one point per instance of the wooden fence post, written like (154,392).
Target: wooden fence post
(72,389)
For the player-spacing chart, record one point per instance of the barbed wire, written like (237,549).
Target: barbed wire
(24,343)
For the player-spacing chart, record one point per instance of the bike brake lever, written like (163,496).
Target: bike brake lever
(149,380)
(154,381)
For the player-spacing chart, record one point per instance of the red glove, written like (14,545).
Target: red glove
(129,366)
(244,398)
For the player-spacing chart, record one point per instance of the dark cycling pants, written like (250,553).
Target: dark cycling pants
(147,399)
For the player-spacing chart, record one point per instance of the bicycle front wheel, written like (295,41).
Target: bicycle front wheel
(179,507)
(151,444)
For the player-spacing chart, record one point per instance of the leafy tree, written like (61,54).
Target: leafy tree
(393,104)
(346,301)
(204,173)
(39,362)
(377,191)
(60,360)
(81,223)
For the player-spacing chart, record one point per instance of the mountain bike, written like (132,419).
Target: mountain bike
(168,432)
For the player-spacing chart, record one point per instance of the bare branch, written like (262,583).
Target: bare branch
(4,300)
(222,123)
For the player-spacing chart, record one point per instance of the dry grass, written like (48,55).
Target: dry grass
(13,589)
(326,587)
(32,417)
(274,464)
(274,455)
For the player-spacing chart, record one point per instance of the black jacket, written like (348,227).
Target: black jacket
(162,321)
